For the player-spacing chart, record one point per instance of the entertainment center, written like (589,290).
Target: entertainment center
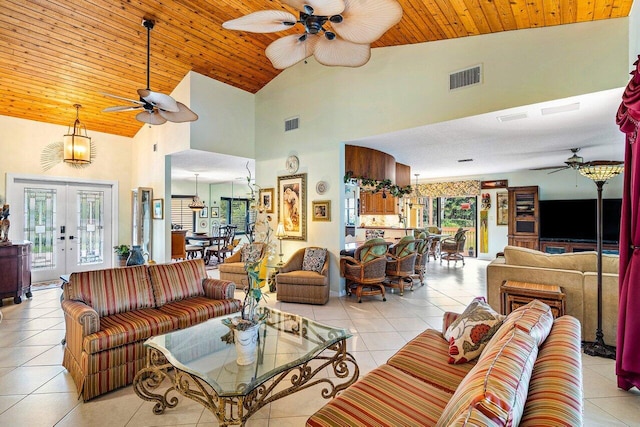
(570,225)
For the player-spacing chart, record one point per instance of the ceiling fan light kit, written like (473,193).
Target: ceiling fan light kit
(158,108)
(354,25)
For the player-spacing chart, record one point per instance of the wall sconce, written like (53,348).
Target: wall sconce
(77,147)
(280,234)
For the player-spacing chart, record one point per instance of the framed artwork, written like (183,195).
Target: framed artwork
(158,208)
(498,183)
(266,199)
(204,213)
(292,205)
(321,210)
(502,218)
(215,212)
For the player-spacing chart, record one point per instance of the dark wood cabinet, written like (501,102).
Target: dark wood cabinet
(375,204)
(178,244)
(561,247)
(523,217)
(15,271)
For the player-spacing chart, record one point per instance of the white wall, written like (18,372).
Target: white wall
(407,86)
(23,141)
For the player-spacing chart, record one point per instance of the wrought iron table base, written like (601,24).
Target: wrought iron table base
(235,410)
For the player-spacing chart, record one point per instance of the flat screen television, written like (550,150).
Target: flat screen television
(575,220)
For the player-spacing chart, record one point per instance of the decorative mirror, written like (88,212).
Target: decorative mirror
(142,218)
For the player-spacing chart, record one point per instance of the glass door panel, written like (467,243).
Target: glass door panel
(90,227)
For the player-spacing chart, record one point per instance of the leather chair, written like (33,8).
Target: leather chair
(365,270)
(452,248)
(233,267)
(401,263)
(304,278)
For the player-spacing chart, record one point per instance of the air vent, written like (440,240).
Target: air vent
(512,117)
(292,123)
(463,78)
(465,160)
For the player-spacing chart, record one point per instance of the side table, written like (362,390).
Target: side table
(271,281)
(516,294)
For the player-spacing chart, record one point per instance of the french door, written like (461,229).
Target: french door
(68,223)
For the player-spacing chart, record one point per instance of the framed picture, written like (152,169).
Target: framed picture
(158,208)
(321,210)
(502,202)
(292,205)
(215,212)
(498,183)
(266,199)
(204,213)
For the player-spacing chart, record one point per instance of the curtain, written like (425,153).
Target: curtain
(449,189)
(628,344)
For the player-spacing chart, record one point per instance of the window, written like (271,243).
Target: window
(181,215)
(235,212)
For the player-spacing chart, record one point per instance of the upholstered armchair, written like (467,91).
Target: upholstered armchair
(304,278)
(451,248)
(365,270)
(232,268)
(401,263)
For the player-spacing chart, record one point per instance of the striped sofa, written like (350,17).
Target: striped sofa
(529,374)
(110,313)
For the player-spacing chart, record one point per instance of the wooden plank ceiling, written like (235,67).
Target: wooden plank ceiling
(56,53)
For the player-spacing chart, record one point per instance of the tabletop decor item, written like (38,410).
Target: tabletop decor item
(136,256)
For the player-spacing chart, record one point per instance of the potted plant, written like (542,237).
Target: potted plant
(123,252)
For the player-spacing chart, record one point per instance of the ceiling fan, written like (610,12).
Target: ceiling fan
(336,32)
(157,107)
(573,162)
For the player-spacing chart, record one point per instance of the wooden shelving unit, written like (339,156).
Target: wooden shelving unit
(523,217)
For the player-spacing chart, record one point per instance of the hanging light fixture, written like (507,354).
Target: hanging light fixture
(196,204)
(77,147)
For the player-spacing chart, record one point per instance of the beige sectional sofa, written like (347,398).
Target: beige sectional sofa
(109,314)
(529,374)
(575,273)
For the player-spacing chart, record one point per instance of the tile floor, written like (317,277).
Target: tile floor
(35,390)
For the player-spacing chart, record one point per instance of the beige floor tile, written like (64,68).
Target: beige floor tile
(47,337)
(11,357)
(409,324)
(39,410)
(7,402)
(594,416)
(300,404)
(115,409)
(383,340)
(52,357)
(186,412)
(372,325)
(61,383)
(596,385)
(286,422)
(10,339)
(25,380)
(626,408)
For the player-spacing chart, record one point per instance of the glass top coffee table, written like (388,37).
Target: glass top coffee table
(201,365)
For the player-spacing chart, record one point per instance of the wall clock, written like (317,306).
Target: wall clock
(292,164)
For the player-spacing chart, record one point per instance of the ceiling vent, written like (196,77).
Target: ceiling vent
(463,78)
(512,117)
(292,123)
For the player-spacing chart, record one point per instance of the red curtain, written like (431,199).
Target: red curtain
(628,344)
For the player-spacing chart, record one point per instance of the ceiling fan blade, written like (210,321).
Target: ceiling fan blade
(150,118)
(184,115)
(558,170)
(289,50)
(365,22)
(121,108)
(158,99)
(547,168)
(320,7)
(135,101)
(338,52)
(265,21)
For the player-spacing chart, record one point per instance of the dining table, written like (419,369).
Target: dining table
(215,241)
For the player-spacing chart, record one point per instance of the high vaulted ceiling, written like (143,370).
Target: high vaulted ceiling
(56,53)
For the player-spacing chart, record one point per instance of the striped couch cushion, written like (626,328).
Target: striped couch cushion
(425,357)
(383,397)
(198,309)
(177,281)
(111,291)
(129,327)
(497,386)
(555,390)
(534,318)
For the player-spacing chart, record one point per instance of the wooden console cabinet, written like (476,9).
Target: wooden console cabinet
(555,247)
(15,271)
(523,217)
(178,244)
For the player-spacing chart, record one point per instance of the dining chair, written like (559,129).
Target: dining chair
(365,270)
(452,248)
(224,245)
(422,256)
(401,263)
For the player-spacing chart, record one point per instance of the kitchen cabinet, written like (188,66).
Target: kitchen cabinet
(375,204)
